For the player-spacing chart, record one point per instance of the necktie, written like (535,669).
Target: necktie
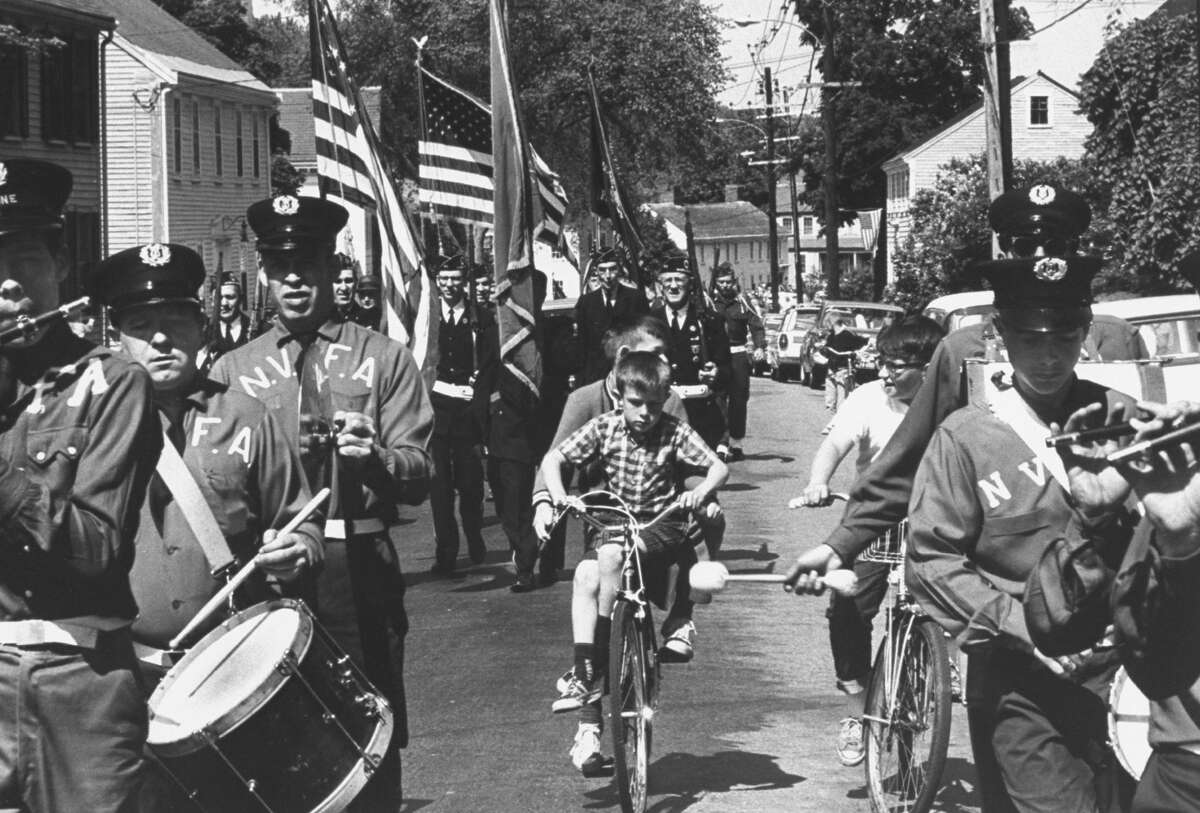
(315,411)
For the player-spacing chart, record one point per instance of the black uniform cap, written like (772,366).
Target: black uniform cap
(676,264)
(1042,210)
(287,222)
(369,283)
(32,194)
(456,263)
(1043,293)
(152,274)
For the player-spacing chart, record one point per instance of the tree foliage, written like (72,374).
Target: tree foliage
(1140,95)
(919,62)
(949,229)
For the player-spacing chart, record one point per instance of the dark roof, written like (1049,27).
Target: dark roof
(84,11)
(717,221)
(783,201)
(149,27)
(296,116)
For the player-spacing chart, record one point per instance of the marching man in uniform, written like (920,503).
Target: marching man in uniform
(224,455)
(466,365)
(324,378)
(78,441)
(699,352)
(743,326)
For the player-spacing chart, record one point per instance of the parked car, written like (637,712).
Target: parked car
(783,350)
(953,311)
(1169,325)
(865,318)
(771,324)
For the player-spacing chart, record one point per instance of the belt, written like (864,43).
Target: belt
(39,632)
(741,348)
(162,658)
(347,528)
(461,392)
(691,391)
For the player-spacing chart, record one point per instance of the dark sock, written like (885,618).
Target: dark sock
(603,630)
(590,713)
(584,662)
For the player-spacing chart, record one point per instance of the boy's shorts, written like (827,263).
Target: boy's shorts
(668,542)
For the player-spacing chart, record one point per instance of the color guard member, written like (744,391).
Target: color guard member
(78,441)
(744,327)
(598,310)
(322,377)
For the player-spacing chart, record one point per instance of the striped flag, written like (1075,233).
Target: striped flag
(350,166)
(513,228)
(456,165)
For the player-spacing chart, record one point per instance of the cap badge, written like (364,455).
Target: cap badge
(155,254)
(286,205)
(3,174)
(1050,269)
(1041,195)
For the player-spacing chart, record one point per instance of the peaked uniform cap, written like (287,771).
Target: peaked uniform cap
(152,274)
(1043,293)
(288,222)
(1040,210)
(32,194)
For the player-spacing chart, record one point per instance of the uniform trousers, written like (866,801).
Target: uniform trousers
(360,602)
(513,481)
(1039,740)
(73,724)
(739,394)
(457,468)
(850,626)
(1170,783)
(705,416)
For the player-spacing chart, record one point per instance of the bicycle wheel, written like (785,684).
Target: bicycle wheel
(630,708)
(907,720)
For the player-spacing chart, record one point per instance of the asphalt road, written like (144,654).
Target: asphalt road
(749,725)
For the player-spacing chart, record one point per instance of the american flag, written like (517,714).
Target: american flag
(457,163)
(350,166)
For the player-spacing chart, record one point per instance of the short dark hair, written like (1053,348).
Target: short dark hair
(913,338)
(628,331)
(643,372)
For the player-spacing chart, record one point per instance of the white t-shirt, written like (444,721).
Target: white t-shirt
(867,418)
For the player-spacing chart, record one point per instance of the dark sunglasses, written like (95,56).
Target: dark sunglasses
(1028,246)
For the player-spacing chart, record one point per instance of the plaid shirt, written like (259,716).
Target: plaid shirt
(641,471)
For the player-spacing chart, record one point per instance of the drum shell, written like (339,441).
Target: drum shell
(299,746)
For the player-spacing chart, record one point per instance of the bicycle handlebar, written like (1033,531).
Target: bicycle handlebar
(581,510)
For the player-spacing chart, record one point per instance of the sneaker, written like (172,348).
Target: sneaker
(736,453)
(573,694)
(850,747)
(681,642)
(585,752)
(723,452)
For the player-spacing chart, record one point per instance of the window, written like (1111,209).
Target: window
(220,159)
(898,185)
(241,165)
(14,97)
(1039,111)
(786,224)
(71,92)
(81,239)
(735,252)
(195,137)
(808,227)
(177,126)
(255,147)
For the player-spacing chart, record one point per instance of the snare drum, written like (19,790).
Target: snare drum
(1129,724)
(266,713)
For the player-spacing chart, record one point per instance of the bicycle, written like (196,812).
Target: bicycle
(907,716)
(633,665)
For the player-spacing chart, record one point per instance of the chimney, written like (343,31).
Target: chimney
(732,193)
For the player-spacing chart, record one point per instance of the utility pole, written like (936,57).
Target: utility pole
(997,99)
(832,221)
(772,227)
(796,272)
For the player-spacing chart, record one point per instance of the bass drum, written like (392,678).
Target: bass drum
(266,713)
(1129,724)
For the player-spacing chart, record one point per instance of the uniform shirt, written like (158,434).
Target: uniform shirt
(742,323)
(879,498)
(699,340)
(642,471)
(250,476)
(984,509)
(365,372)
(76,450)
(866,419)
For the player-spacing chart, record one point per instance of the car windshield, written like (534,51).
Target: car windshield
(1171,336)
(858,318)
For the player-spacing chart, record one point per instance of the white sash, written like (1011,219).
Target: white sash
(1008,406)
(195,509)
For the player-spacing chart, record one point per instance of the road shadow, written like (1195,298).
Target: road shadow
(739,487)
(762,554)
(413,805)
(770,456)
(685,779)
(957,790)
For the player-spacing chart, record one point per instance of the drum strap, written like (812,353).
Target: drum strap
(1010,407)
(195,509)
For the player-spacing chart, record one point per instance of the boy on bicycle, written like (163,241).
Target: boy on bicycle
(644,454)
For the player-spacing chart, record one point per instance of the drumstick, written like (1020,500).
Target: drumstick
(225,592)
(1116,430)
(1184,434)
(711,577)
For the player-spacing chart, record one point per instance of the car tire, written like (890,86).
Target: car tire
(816,378)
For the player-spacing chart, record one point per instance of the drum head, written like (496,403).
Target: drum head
(1129,724)
(229,673)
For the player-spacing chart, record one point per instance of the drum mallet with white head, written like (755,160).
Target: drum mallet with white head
(711,577)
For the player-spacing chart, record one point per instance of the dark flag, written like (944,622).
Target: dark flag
(350,166)
(608,198)
(693,263)
(513,227)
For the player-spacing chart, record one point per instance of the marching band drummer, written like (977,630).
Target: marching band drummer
(77,443)
(226,475)
(316,373)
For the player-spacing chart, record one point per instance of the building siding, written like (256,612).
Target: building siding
(132,110)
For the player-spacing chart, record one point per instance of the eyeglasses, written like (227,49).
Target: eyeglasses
(897,366)
(1028,246)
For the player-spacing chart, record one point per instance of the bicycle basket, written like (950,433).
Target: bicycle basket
(889,548)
